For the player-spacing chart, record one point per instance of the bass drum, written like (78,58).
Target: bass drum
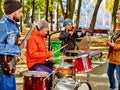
(83,86)
(66,83)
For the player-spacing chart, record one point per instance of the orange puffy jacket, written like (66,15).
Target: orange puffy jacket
(36,49)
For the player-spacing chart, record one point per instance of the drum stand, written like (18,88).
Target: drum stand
(53,74)
(88,75)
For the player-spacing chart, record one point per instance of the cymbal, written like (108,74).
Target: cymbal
(63,57)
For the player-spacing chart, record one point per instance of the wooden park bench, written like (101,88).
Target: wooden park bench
(96,31)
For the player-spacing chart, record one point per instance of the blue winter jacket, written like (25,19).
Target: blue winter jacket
(9,31)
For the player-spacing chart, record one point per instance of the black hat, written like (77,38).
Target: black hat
(11,6)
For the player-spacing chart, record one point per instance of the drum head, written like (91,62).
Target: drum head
(65,65)
(36,73)
(83,86)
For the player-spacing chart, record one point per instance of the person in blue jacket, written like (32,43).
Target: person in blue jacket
(9,32)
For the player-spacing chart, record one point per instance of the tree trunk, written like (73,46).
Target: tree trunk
(46,12)
(113,22)
(51,20)
(78,13)
(57,18)
(1,12)
(92,24)
(63,12)
(32,17)
(70,7)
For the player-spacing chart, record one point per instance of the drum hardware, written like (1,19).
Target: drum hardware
(97,54)
(53,79)
(88,76)
(64,70)
(58,75)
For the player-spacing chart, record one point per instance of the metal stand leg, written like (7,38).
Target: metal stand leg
(74,74)
(53,81)
(88,75)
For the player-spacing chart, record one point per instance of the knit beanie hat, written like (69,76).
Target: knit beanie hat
(42,24)
(11,6)
(66,21)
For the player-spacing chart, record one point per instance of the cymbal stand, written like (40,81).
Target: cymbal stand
(88,75)
(53,81)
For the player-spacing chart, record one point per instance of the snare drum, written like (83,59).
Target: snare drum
(69,84)
(35,80)
(82,63)
(65,69)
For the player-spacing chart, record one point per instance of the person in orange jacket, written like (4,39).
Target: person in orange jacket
(37,54)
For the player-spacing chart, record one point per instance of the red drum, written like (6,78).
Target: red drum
(82,63)
(35,80)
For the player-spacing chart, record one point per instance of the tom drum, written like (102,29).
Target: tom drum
(82,63)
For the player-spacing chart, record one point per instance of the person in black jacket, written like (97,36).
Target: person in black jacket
(69,36)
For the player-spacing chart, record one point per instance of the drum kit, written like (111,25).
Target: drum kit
(81,62)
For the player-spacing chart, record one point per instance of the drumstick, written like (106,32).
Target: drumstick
(60,48)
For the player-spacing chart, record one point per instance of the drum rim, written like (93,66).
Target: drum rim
(63,66)
(79,84)
(26,73)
